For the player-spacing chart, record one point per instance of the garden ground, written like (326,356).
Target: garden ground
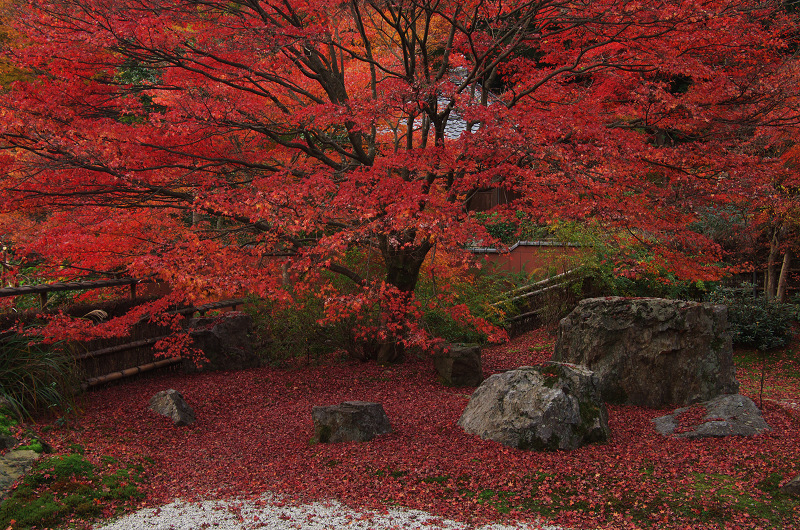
(253,435)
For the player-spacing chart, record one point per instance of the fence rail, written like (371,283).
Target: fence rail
(43,289)
(109,360)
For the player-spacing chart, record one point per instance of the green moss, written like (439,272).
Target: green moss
(551,374)
(68,487)
(34,446)
(42,512)
(437,480)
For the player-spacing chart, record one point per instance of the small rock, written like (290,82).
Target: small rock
(728,415)
(460,365)
(13,465)
(792,487)
(7,442)
(170,403)
(351,421)
(225,342)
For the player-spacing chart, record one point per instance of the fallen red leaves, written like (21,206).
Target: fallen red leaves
(254,427)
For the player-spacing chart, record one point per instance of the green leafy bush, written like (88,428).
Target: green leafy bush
(287,332)
(479,292)
(509,230)
(35,376)
(755,321)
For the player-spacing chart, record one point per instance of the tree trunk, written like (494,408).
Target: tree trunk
(403,257)
(781,291)
(770,286)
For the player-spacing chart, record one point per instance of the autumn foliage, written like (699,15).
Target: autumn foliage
(251,146)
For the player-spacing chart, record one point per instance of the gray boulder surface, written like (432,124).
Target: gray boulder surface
(460,365)
(728,415)
(225,342)
(170,403)
(351,421)
(651,352)
(7,442)
(792,487)
(13,465)
(555,406)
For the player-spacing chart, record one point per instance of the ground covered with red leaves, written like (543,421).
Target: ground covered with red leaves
(253,434)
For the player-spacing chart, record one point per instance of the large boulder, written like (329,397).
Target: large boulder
(460,365)
(728,415)
(651,352)
(351,421)
(550,407)
(225,342)
(170,403)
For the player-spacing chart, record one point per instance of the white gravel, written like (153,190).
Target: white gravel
(271,513)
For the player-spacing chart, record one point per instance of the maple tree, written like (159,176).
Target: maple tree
(243,145)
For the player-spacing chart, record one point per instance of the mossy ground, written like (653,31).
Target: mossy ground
(63,489)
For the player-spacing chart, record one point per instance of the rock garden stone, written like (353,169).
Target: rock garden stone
(7,442)
(170,403)
(225,342)
(729,415)
(351,421)
(13,465)
(556,406)
(792,487)
(460,365)
(651,352)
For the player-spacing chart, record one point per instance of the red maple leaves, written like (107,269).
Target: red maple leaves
(253,433)
(232,151)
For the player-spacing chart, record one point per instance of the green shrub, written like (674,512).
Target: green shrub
(479,291)
(755,321)
(35,446)
(509,230)
(288,332)
(6,422)
(35,376)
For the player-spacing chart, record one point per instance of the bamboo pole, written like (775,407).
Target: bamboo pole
(128,372)
(546,281)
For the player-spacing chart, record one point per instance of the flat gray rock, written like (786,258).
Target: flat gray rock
(13,465)
(351,421)
(727,415)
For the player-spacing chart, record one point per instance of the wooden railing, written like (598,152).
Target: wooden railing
(152,363)
(538,298)
(123,359)
(45,288)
